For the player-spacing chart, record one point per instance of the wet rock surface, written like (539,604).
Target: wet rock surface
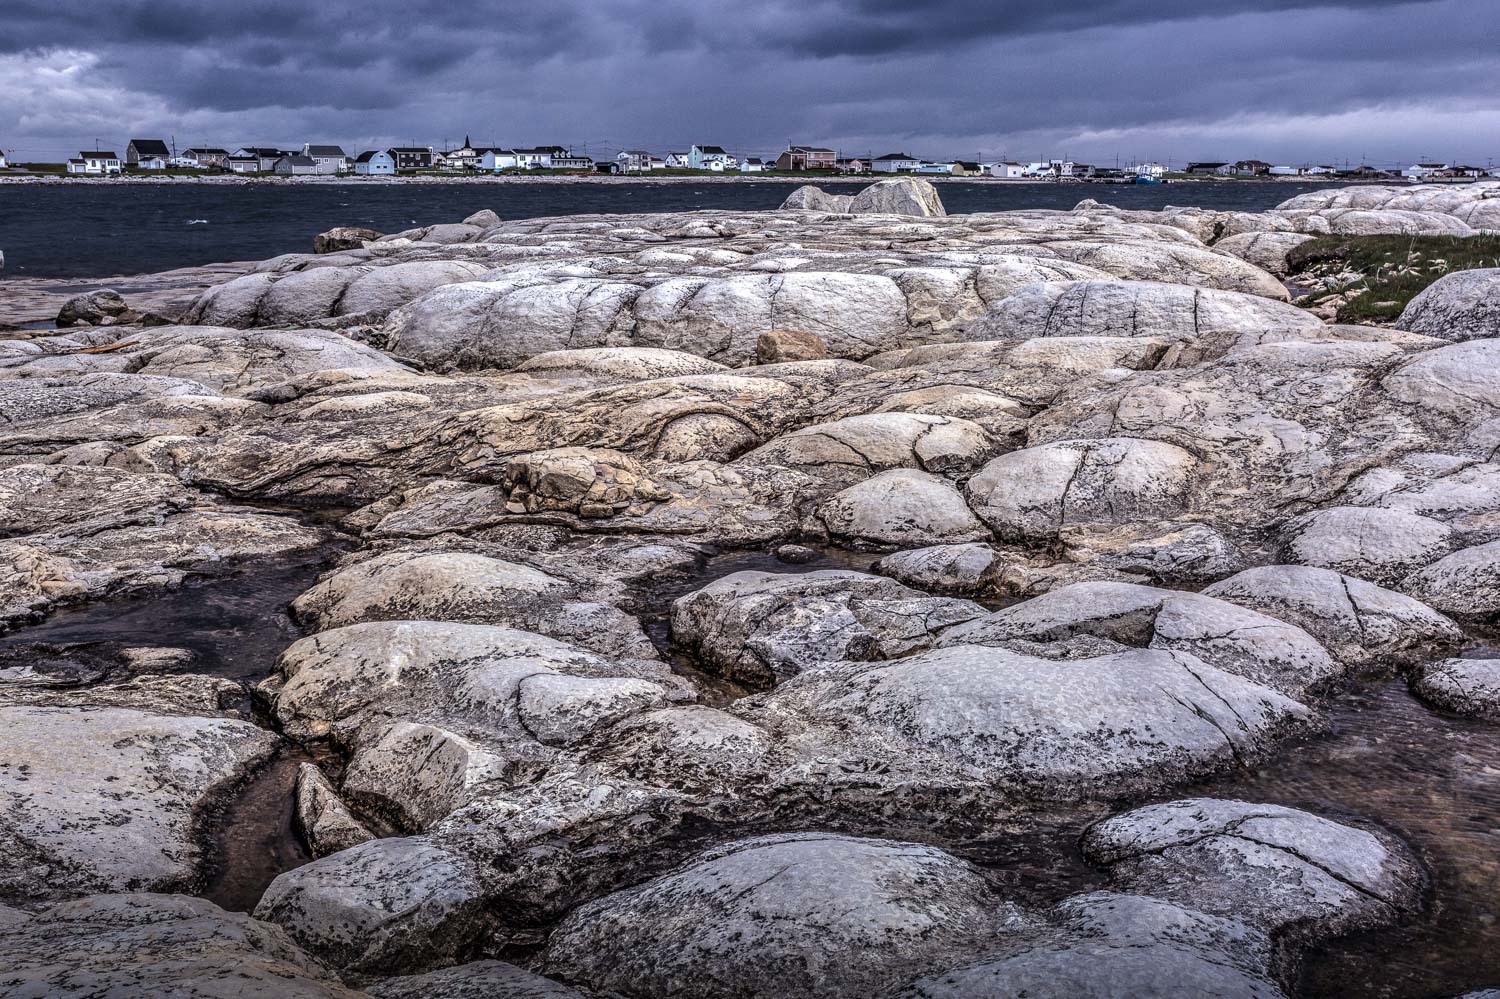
(850,600)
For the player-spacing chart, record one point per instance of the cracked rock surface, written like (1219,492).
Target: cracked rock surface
(848,600)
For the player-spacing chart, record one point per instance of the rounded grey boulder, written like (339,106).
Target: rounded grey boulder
(778,916)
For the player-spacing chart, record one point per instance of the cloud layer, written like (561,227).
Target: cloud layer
(1293,80)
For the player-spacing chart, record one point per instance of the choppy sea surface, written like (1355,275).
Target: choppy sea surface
(101,230)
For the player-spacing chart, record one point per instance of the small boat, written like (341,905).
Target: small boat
(1143,179)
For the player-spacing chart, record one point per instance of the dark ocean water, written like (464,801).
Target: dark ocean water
(99,230)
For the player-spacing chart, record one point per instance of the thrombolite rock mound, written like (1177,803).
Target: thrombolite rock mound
(736,603)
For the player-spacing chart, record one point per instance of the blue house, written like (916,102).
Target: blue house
(374,161)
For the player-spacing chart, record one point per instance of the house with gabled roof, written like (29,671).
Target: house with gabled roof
(96,163)
(329,159)
(896,163)
(807,158)
(713,158)
(146,154)
(374,162)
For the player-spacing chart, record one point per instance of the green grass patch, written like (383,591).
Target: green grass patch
(1383,273)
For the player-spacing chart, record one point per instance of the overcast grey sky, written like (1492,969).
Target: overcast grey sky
(1283,80)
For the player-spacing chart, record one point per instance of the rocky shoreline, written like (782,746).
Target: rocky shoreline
(861,180)
(848,600)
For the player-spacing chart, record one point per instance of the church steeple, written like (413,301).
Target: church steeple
(467,143)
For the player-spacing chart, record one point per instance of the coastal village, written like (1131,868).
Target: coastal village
(316,159)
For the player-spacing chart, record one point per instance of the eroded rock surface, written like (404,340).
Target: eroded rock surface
(562,749)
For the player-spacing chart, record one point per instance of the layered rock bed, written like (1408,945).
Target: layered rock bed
(710,599)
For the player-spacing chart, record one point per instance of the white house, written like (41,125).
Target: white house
(95,163)
(152,163)
(676,161)
(1153,171)
(465,157)
(934,168)
(1417,171)
(533,159)
(753,164)
(712,158)
(1319,171)
(634,161)
(1285,171)
(3,161)
(328,159)
(372,162)
(495,160)
(896,163)
(1007,170)
(568,160)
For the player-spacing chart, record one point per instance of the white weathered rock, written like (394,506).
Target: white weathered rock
(1465,584)
(974,727)
(1111,946)
(1462,686)
(960,570)
(386,906)
(1266,250)
(898,196)
(901,507)
(157,945)
(1358,622)
(1275,868)
(801,914)
(763,627)
(108,799)
(1374,543)
(1135,308)
(1243,642)
(1033,493)
(465,588)
(1464,305)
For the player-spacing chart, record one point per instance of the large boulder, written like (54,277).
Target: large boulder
(1463,686)
(1358,622)
(1032,494)
(776,916)
(1379,544)
(104,307)
(1282,870)
(1464,305)
(1106,945)
(109,799)
(1244,642)
(386,906)
(1138,308)
(811,198)
(157,945)
(966,729)
(1465,584)
(899,196)
(900,508)
(344,237)
(762,627)
(850,450)
(460,587)
(478,702)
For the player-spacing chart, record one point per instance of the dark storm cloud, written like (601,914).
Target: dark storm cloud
(1290,78)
